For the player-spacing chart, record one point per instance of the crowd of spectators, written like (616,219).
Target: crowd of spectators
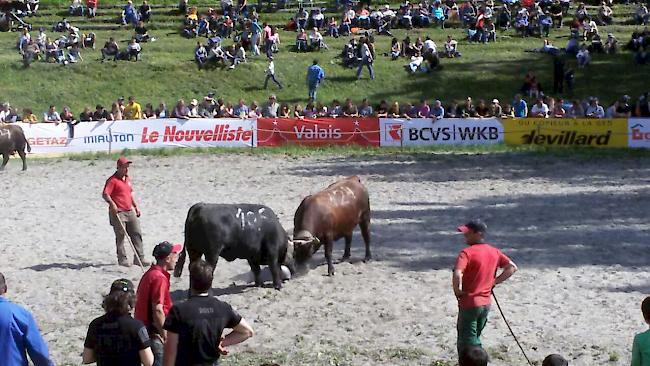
(537,106)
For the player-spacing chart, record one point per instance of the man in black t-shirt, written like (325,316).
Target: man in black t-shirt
(195,327)
(115,338)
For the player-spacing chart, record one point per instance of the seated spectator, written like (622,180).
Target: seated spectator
(85,116)
(350,54)
(335,109)
(309,111)
(200,55)
(29,116)
(101,114)
(596,45)
(217,54)
(482,110)
(148,111)
(382,110)
(555,360)
(321,110)
(610,112)
(141,34)
(423,109)
(437,111)
(180,110)
(129,14)
(76,8)
(297,112)
(272,108)
(407,47)
(641,14)
(284,112)
(581,12)
(116,337)
(473,356)
(333,29)
(495,109)
(365,110)
(394,111)
(395,49)
(415,63)
(349,109)
(519,107)
(88,40)
(74,55)
(116,112)
(346,25)
(134,50)
(522,23)
(161,111)
(24,38)
(145,11)
(539,109)
(238,57)
(545,23)
(241,110)
(508,111)
(583,57)
(590,29)
(318,19)
(91,5)
(505,18)
(611,44)
(438,15)
(624,110)
(594,110)
(111,48)
(52,116)
(605,14)
(575,111)
(429,47)
(558,109)
(194,109)
(451,48)
(316,40)
(301,18)
(31,52)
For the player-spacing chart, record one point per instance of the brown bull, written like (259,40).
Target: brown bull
(328,216)
(12,139)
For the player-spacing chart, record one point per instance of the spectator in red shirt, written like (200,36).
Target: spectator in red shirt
(473,280)
(122,207)
(153,300)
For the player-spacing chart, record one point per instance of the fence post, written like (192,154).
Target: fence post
(110,138)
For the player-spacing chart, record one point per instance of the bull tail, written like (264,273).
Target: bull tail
(29,147)
(178,269)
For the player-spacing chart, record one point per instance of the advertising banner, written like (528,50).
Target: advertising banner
(141,134)
(639,132)
(446,131)
(566,132)
(317,132)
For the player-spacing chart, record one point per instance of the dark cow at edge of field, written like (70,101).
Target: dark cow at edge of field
(328,216)
(12,139)
(236,231)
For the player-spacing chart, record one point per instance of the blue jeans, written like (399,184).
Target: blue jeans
(371,70)
(313,85)
(158,349)
(271,77)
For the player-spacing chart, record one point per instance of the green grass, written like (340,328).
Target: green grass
(167,71)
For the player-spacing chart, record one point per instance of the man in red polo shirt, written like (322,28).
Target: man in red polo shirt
(122,206)
(153,300)
(473,280)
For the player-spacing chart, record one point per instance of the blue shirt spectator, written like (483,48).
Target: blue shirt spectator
(520,107)
(19,335)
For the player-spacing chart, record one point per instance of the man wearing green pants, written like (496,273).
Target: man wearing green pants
(473,280)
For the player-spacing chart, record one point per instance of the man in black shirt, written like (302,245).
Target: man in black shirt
(195,327)
(100,114)
(115,338)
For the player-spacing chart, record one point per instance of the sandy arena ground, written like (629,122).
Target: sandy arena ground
(577,228)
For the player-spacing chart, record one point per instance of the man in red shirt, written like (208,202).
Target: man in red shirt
(153,300)
(473,280)
(122,206)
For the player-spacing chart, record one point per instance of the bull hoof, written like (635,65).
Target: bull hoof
(367,259)
(259,283)
(345,257)
(278,287)
(330,273)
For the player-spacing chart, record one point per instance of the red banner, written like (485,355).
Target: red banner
(316,132)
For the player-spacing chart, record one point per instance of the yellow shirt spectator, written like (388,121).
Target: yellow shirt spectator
(133,111)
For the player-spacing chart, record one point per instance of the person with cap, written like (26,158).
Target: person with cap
(153,300)
(115,338)
(473,280)
(194,109)
(19,334)
(132,110)
(270,74)
(124,212)
(195,328)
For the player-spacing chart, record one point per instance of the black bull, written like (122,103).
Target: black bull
(12,139)
(236,231)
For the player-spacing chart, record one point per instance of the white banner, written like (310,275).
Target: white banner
(446,131)
(638,132)
(141,134)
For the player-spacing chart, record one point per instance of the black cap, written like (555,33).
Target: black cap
(475,225)
(555,360)
(122,285)
(164,249)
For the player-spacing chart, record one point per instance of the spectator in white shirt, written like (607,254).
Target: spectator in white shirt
(595,110)
(539,110)
(52,116)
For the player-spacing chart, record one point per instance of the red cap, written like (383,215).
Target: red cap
(123,161)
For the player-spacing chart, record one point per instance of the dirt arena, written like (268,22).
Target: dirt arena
(577,228)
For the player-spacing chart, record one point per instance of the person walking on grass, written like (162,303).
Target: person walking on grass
(19,334)
(124,212)
(366,60)
(315,76)
(473,280)
(270,74)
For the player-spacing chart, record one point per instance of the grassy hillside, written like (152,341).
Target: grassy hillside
(167,71)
